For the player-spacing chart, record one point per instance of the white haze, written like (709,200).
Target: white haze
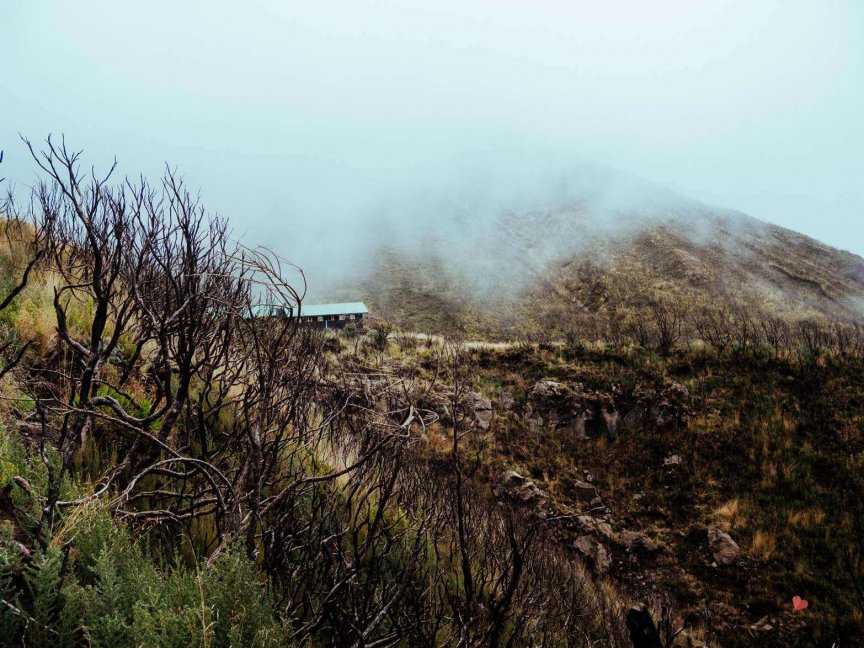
(324,128)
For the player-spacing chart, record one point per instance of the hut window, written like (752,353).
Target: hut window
(351,317)
(320,319)
(341,317)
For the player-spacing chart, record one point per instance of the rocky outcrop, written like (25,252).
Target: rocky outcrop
(546,390)
(583,414)
(572,410)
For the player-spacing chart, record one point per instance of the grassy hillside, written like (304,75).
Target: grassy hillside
(766,449)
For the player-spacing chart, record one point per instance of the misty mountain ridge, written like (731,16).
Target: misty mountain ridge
(584,244)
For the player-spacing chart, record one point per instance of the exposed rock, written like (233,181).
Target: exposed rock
(585,545)
(572,409)
(576,427)
(724,549)
(511,478)
(584,491)
(535,421)
(591,525)
(672,460)
(659,408)
(595,552)
(546,389)
(519,489)
(677,392)
(602,559)
(638,542)
(529,493)
(482,408)
(506,400)
(609,419)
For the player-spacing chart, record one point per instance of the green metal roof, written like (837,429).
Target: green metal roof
(346,308)
(310,310)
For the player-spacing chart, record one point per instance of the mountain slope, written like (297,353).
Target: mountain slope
(526,271)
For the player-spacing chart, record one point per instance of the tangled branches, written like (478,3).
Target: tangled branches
(180,385)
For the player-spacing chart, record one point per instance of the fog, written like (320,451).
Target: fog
(322,128)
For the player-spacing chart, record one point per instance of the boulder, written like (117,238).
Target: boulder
(672,460)
(724,549)
(511,478)
(594,552)
(572,409)
(529,493)
(535,421)
(585,545)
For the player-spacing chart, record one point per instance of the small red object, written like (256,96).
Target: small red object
(799,604)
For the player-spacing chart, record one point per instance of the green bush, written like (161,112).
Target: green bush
(95,585)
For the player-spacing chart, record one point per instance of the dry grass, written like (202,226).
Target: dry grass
(728,514)
(807,518)
(769,475)
(763,545)
(437,441)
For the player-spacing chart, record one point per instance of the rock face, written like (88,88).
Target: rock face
(583,414)
(571,409)
(724,549)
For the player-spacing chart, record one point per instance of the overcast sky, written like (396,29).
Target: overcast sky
(287,112)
